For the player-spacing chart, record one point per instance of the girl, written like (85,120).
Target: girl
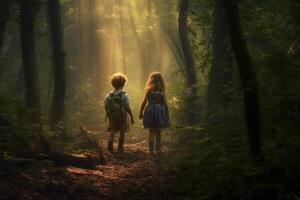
(156,115)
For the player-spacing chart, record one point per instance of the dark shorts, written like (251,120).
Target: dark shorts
(118,126)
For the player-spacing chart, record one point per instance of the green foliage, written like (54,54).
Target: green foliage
(19,137)
(216,162)
(85,107)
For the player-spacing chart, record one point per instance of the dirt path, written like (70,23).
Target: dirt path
(129,176)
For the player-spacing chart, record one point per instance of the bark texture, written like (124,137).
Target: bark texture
(221,70)
(4,13)
(57,108)
(247,77)
(185,43)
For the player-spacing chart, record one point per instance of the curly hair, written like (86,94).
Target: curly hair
(118,80)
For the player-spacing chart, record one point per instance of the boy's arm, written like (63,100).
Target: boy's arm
(128,109)
(106,107)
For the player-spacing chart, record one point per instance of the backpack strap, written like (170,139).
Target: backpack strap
(120,94)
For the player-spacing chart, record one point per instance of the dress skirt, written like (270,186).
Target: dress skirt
(156,116)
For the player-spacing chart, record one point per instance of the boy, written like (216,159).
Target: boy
(116,107)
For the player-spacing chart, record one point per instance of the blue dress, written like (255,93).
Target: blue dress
(155,114)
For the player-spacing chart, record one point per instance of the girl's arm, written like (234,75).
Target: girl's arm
(144,103)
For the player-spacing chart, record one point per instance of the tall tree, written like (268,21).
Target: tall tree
(294,8)
(57,108)
(185,43)
(32,90)
(136,35)
(148,43)
(188,56)
(4,13)
(122,38)
(247,77)
(88,25)
(169,29)
(221,69)
(142,48)
(93,42)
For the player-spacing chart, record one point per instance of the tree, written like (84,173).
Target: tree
(93,43)
(247,77)
(90,60)
(122,38)
(148,45)
(294,8)
(185,43)
(221,69)
(143,47)
(4,13)
(57,108)
(169,29)
(32,90)
(188,55)
(136,35)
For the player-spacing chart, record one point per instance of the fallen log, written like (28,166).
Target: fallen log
(63,158)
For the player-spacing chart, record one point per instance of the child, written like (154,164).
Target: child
(117,107)
(156,115)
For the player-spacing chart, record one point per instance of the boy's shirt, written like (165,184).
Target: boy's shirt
(117,92)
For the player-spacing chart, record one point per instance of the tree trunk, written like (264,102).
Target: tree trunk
(4,13)
(122,38)
(185,43)
(140,45)
(175,48)
(148,44)
(57,108)
(188,57)
(169,29)
(247,77)
(5,125)
(82,57)
(221,69)
(294,9)
(32,90)
(93,45)
(136,35)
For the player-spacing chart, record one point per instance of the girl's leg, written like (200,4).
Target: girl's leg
(151,141)
(110,146)
(157,140)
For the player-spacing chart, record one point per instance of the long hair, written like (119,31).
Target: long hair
(155,82)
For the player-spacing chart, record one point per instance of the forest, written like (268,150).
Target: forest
(232,75)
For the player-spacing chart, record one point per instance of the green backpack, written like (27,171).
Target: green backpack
(115,108)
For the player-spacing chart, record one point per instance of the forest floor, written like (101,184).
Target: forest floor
(131,175)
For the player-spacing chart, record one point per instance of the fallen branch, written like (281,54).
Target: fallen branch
(62,158)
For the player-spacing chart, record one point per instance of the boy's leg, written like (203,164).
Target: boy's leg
(121,142)
(157,140)
(110,146)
